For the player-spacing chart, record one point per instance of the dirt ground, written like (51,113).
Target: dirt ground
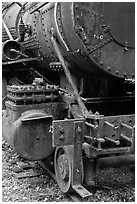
(40,187)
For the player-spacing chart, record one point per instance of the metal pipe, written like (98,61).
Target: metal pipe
(7,30)
(18,52)
(117,142)
(126,126)
(89,124)
(125,137)
(115,161)
(57,27)
(84,110)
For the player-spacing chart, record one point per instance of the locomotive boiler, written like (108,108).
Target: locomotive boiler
(68,82)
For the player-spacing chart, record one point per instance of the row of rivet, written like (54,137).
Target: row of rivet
(76,53)
(52,56)
(108,68)
(32,41)
(36,34)
(116,72)
(44,30)
(106,29)
(91,48)
(57,68)
(48,9)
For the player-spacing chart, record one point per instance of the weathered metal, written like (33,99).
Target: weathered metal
(28,119)
(30,94)
(86,28)
(20,61)
(77,161)
(29,135)
(77,157)
(81,109)
(65,67)
(63,167)
(106,129)
(114,161)
(63,132)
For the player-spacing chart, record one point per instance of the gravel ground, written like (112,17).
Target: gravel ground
(43,188)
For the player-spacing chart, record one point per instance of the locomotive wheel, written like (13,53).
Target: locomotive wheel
(63,167)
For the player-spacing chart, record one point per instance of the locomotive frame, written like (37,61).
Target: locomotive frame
(42,119)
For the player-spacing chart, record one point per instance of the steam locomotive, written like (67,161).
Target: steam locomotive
(68,82)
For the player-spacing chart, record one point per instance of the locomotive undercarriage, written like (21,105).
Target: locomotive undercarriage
(81,139)
(77,127)
(96,141)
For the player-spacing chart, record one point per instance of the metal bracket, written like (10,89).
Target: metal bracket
(77,161)
(82,191)
(63,131)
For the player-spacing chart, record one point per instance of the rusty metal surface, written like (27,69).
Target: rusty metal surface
(32,94)
(63,132)
(30,134)
(89,170)
(63,167)
(117,105)
(115,161)
(65,67)
(120,25)
(77,158)
(9,17)
(95,33)
(89,113)
(85,26)
(113,134)
(105,135)
(58,110)
(77,165)
(20,61)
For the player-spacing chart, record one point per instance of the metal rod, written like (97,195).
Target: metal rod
(126,138)
(115,150)
(69,77)
(109,124)
(89,124)
(111,140)
(126,126)
(18,52)
(20,61)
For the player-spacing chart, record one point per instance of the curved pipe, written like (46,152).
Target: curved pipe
(7,30)
(58,32)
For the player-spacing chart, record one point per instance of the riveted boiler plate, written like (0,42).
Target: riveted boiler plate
(121,18)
